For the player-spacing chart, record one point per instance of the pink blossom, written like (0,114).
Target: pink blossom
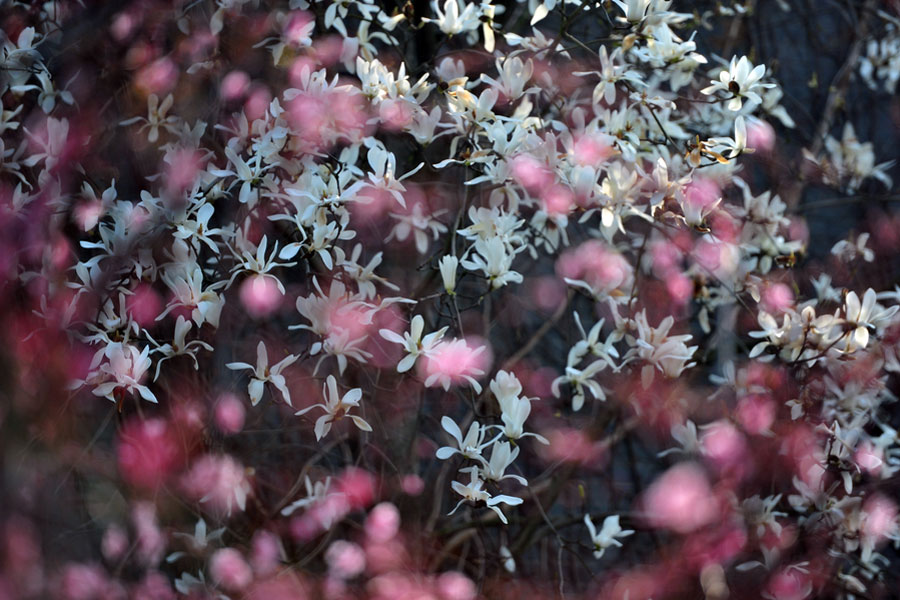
(530,173)
(345,559)
(260,296)
(257,102)
(228,569)
(159,77)
(789,583)
(601,267)
(572,445)
(114,543)
(723,445)
(879,520)
(547,292)
(151,542)
(265,552)
(148,452)
(413,485)
(395,114)
(358,486)
(756,413)
(680,500)
(680,287)
(777,298)
(454,362)
(557,200)
(383,522)
(592,150)
(219,482)
(760,136)
(455,586)
(869,457)
(87,582)
(700,197)
(234,86)
(144,304)
(181,170)
(229,413)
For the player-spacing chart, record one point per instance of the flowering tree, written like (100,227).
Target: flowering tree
(345,299)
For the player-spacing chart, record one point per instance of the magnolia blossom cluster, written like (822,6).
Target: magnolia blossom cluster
(381,226)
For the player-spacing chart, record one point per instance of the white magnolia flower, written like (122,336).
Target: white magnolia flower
(179,346)
(469,446)
(607,535)
(336,407)
(314,493)
(263,373)
(413,342)
(475,492)
(863,316)
(448,266)
(581,378)
(741,80)
(735,146)
(455,16)
(157,117)
(502,456)
(126,366)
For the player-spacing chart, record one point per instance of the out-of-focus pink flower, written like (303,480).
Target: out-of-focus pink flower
(760,136)
(777,298)
(234,86)
(228,569)
(572,445)
(265,549)
(158,77)
(148,452)
(219,482)
(869,457)
(756,413)
(260,296)
(600,267)
(413,485)
(680,287)
(592,149)
(257,102)
(716,256)
(229,413)
(87,582)
(701,196)
(879,522)
(455,586)
(144,304)
(789,583)
(395,114)
(345,559)
(680,500)
(530,173)
(114,543)
(383,522)
(557,200)
(455,362)
(151,543)
(358,486)
(723,445)
(181,170)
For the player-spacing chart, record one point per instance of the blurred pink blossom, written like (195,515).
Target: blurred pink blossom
(680,500)
(228,569)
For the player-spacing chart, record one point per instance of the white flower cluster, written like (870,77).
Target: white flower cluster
(514,410)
